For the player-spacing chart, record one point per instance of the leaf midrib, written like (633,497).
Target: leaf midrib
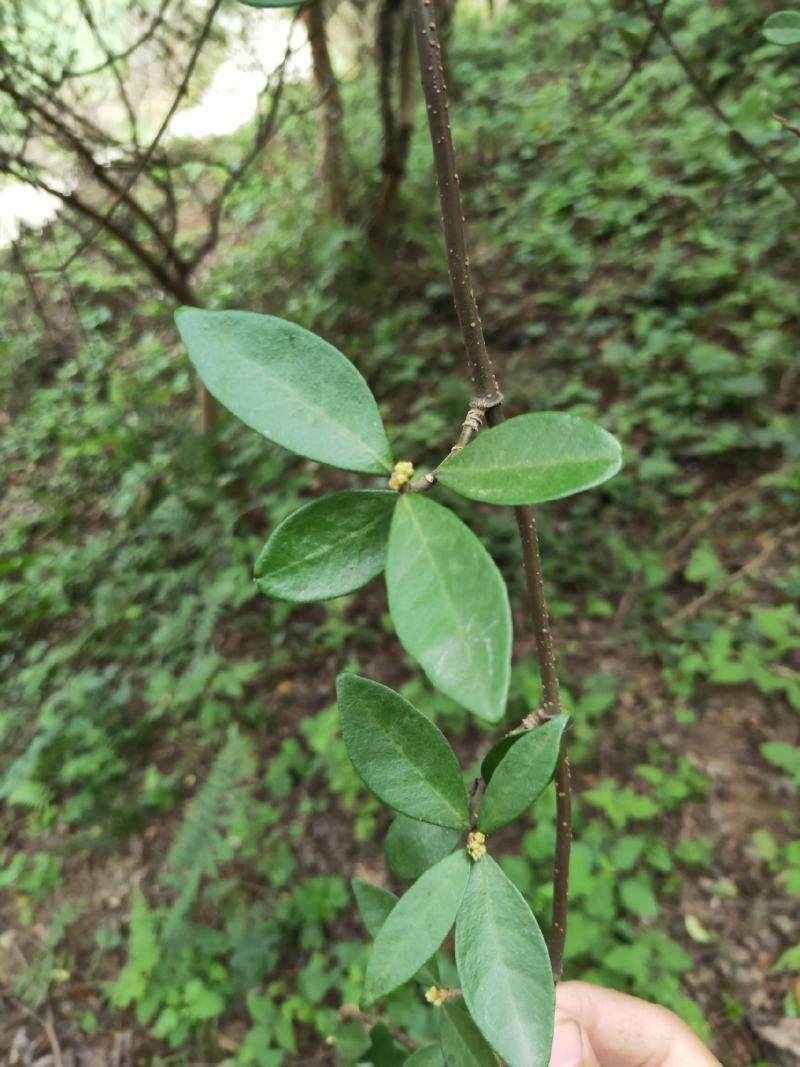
(298,399)
(509,986)
(521,468)
(318,553)
(449,600)
(463,817)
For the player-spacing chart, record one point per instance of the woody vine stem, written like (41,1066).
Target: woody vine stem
(487,392)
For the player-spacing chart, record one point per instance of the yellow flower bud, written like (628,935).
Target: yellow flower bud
(402,474)
(476,844)
(436,996)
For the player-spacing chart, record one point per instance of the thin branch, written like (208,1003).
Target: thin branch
(790,127)
(266,128)
(771,545)
(708,99)
(636,63)
(145,36)
(348,1011)
(122,92)
(482,376)
(30,285)
(175,284)
(148,154)
(59,129)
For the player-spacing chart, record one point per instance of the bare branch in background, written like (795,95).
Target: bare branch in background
(708,99)
(148,154)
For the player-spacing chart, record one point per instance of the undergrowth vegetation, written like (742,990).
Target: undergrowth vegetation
(180,819)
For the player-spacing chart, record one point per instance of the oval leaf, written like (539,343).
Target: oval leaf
(430,1056)
(783,28)
(463,1044)
(412,847)
(373,902)
(288,384)
(417,925)
(328,547)
(449,605)
(504,968)
(401,755)
(533,458)
(521,775)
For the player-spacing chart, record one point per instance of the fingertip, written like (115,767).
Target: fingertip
(570,1047)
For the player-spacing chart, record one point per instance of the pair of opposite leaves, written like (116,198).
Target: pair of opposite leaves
(447,599)
(502,960)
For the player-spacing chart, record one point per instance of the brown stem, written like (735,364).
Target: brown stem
(484,381)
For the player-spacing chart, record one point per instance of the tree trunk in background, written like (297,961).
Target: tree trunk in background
(395,61)
(331,134)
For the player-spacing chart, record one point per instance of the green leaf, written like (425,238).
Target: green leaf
(788,961)
(523,772)
(373,902)
(417,926)
(504,968)
(401,755)
(201,1002)
(533,458)
(328,548)
(638,898)
(491,760)
(412,847)
(783,755)
(351,1041)
(288,384)
(783,28)
(449,605)
(463,1044)
(383,1051)
(430,1056)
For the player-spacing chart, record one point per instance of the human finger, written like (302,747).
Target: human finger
(622,1031)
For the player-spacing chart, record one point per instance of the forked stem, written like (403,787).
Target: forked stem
(484,382)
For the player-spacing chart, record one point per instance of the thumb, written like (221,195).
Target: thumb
(596,1026)
(571,1046)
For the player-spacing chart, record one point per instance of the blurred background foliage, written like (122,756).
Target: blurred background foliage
(179,818)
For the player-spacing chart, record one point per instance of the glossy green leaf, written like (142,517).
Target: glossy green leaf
(521,775)
(412,847)
(373,902)
(401,755)
(430,1056)
(329,547)
(533,458)
(288,384)
(783,28)
(417,925)
(449,605)
(463,1044)
(492,758)
(504,968)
